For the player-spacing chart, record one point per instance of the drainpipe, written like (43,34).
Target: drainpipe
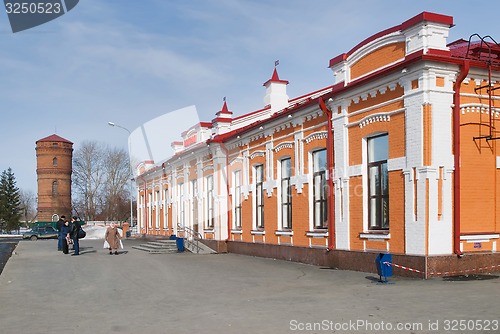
(456,152)
(329,163)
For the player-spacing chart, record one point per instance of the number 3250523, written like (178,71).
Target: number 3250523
(33,8)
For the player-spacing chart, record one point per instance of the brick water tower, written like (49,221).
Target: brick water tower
(54,167)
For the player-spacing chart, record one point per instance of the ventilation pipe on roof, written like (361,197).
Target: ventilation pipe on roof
(329,164)
(464,70)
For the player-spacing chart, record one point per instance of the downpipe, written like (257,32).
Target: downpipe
(329,163)
(456,152)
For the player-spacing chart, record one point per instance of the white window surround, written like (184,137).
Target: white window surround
(284,233)
(375,236)
(479,237)
(317,234)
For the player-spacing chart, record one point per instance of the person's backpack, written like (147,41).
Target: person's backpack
(81,233)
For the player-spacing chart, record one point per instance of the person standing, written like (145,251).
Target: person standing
(75,227)
(60,235)
(65,229)
(112,236)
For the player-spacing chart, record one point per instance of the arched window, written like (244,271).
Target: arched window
(55,191)
(54,162)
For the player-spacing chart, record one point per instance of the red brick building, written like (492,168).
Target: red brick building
(399,155)
(54,168)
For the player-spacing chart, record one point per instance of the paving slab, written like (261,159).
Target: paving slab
(45,291)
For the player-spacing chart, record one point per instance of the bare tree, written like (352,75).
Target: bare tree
(100,178)
(88,178)
(117,175)
(28,205)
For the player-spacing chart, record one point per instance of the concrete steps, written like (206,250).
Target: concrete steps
(158,247)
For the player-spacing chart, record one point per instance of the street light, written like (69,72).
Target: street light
(131,172)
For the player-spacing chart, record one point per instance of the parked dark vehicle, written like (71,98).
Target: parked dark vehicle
(40,232)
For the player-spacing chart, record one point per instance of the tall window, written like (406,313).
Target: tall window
(210,202)
(259,196)
(237,199)
(286,194)
(150,210)
(194,207)
(165,209)
(54,162)
(157,209)
(378,182)
(182,218)
(55,188)
(320,189)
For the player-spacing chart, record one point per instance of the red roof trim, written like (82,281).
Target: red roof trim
(221,120)
(54,138)
(224,110)
(424,16)
(427,16)
(432,55)
(197,126)
(275,78)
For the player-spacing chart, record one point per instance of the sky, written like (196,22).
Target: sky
(129,62)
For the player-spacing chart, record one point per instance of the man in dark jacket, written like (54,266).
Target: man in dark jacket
(75,227)
(60,237)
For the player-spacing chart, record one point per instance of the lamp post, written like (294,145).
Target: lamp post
(131,172)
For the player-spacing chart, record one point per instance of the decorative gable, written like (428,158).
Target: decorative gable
(422,33)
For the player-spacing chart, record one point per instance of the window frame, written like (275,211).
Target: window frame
(237,199)
(380,197)
(193,184)
(157,209)
(320,197)
(209,221)
(259,196)
(286,198)
(165,208)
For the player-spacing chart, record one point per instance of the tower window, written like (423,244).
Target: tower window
(55,190)
(54,162)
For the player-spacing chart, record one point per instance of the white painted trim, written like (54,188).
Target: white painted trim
(287,233)
(479,237)
(318,234)
(374,236)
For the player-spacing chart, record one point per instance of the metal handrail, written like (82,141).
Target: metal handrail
(193,237)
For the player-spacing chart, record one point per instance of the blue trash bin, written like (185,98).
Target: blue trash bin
(180,244)
(384,269)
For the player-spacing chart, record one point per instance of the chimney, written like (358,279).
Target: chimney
(222,123)
(276,93)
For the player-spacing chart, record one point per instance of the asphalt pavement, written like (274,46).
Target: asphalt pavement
(7,246)
(45,291)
